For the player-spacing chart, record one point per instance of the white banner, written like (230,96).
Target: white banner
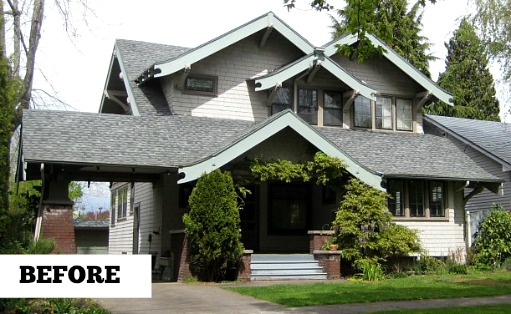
(75,276)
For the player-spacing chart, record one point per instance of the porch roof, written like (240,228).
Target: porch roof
(197,144)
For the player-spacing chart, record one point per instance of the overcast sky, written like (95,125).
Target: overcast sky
(77,67)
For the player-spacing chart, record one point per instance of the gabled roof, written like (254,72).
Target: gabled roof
(308,62)
(396,59)
(267,21)
(194,145)
(405,155)
(491,138)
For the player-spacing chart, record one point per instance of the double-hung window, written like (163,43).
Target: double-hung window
(416,198)
(404,115)
(332,108)
(436,199)
(384,113)
(396,201)
(362,112)
(308,105)
(122,202)
(282,100)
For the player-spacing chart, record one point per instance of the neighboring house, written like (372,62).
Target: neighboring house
(169,114)
(91,236)
(489,144)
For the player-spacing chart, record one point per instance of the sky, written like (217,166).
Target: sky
(73,65)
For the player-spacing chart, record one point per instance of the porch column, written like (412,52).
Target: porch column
(57,215)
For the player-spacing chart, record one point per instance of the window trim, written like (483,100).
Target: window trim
(371,114)
(426,194)
(315,106)
(213,79)
(340,108)
(382,117)
(122,212)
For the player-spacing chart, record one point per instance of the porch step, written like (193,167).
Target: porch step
(285,267)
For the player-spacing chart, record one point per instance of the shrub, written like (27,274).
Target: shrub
(212,227)
(429,265)
(371,271)
(366,230)
(492,244)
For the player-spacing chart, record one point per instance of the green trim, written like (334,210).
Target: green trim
(279,76)
(265,131)
(133,103)
(397,60)
(192,56)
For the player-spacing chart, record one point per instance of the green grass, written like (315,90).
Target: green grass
(409,288)
(488,309)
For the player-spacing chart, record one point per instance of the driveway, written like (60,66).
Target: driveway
(210,298)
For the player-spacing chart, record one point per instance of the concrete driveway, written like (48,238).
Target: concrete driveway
(211,298)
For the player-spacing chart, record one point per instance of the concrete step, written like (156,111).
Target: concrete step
(286,267)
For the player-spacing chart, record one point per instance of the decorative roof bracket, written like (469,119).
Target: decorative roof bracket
(114,95)
(273,93)
(424,96)
(317,65)
(266,35)
(350,97)
(181,83)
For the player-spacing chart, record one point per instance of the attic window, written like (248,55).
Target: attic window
(201,84)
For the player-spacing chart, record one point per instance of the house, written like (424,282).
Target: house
(489,144)
(91,236)
(169,114)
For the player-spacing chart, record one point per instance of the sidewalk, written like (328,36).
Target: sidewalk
(204,298)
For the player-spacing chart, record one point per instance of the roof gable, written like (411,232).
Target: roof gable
(397,60)
(268,21)
(307,63)
(490,138)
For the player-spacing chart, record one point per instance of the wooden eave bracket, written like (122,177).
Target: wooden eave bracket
(273,93)
(181,82)
(351,95)
(478,189)
(266,35)
(423,97)
(114,95)
(315,68)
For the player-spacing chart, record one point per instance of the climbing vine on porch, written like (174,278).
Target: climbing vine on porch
(322,169)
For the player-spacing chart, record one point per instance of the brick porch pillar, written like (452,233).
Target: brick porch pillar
(58,225)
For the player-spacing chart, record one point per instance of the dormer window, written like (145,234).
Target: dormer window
(384,113)
(362,112)
(308,105)
(282,100)
(332,108)
(404,114)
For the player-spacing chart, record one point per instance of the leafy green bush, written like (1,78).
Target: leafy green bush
(212,227)
(492,244)
(429,265)
(371,271)
(42,246)
(366,230)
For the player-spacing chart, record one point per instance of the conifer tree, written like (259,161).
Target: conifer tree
(467,78)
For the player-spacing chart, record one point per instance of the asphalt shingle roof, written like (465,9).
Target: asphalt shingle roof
(407,155)
(492,137)
(109,139)
(172,141)
(136,57)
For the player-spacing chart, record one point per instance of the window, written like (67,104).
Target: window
(122,202)
(282,100)
(201,84)
(308,105)
(332,108)
(395,190)
(113,198)
(362,112)
(436,199)
(416,198)
(384,113)
(289,208)
(404,114)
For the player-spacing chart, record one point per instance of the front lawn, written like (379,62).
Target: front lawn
(409,288)
(487,309)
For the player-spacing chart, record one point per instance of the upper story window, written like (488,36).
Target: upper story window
(201,84)
(282,100)
(384,113)
(362,112)
(308,105)
(404,115)
(332,108)
(417,198)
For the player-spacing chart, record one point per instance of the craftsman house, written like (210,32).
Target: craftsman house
(169,114)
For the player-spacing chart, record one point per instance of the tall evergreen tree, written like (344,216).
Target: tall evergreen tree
(390,21)
(467,78)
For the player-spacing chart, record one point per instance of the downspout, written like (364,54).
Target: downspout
(39,219)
